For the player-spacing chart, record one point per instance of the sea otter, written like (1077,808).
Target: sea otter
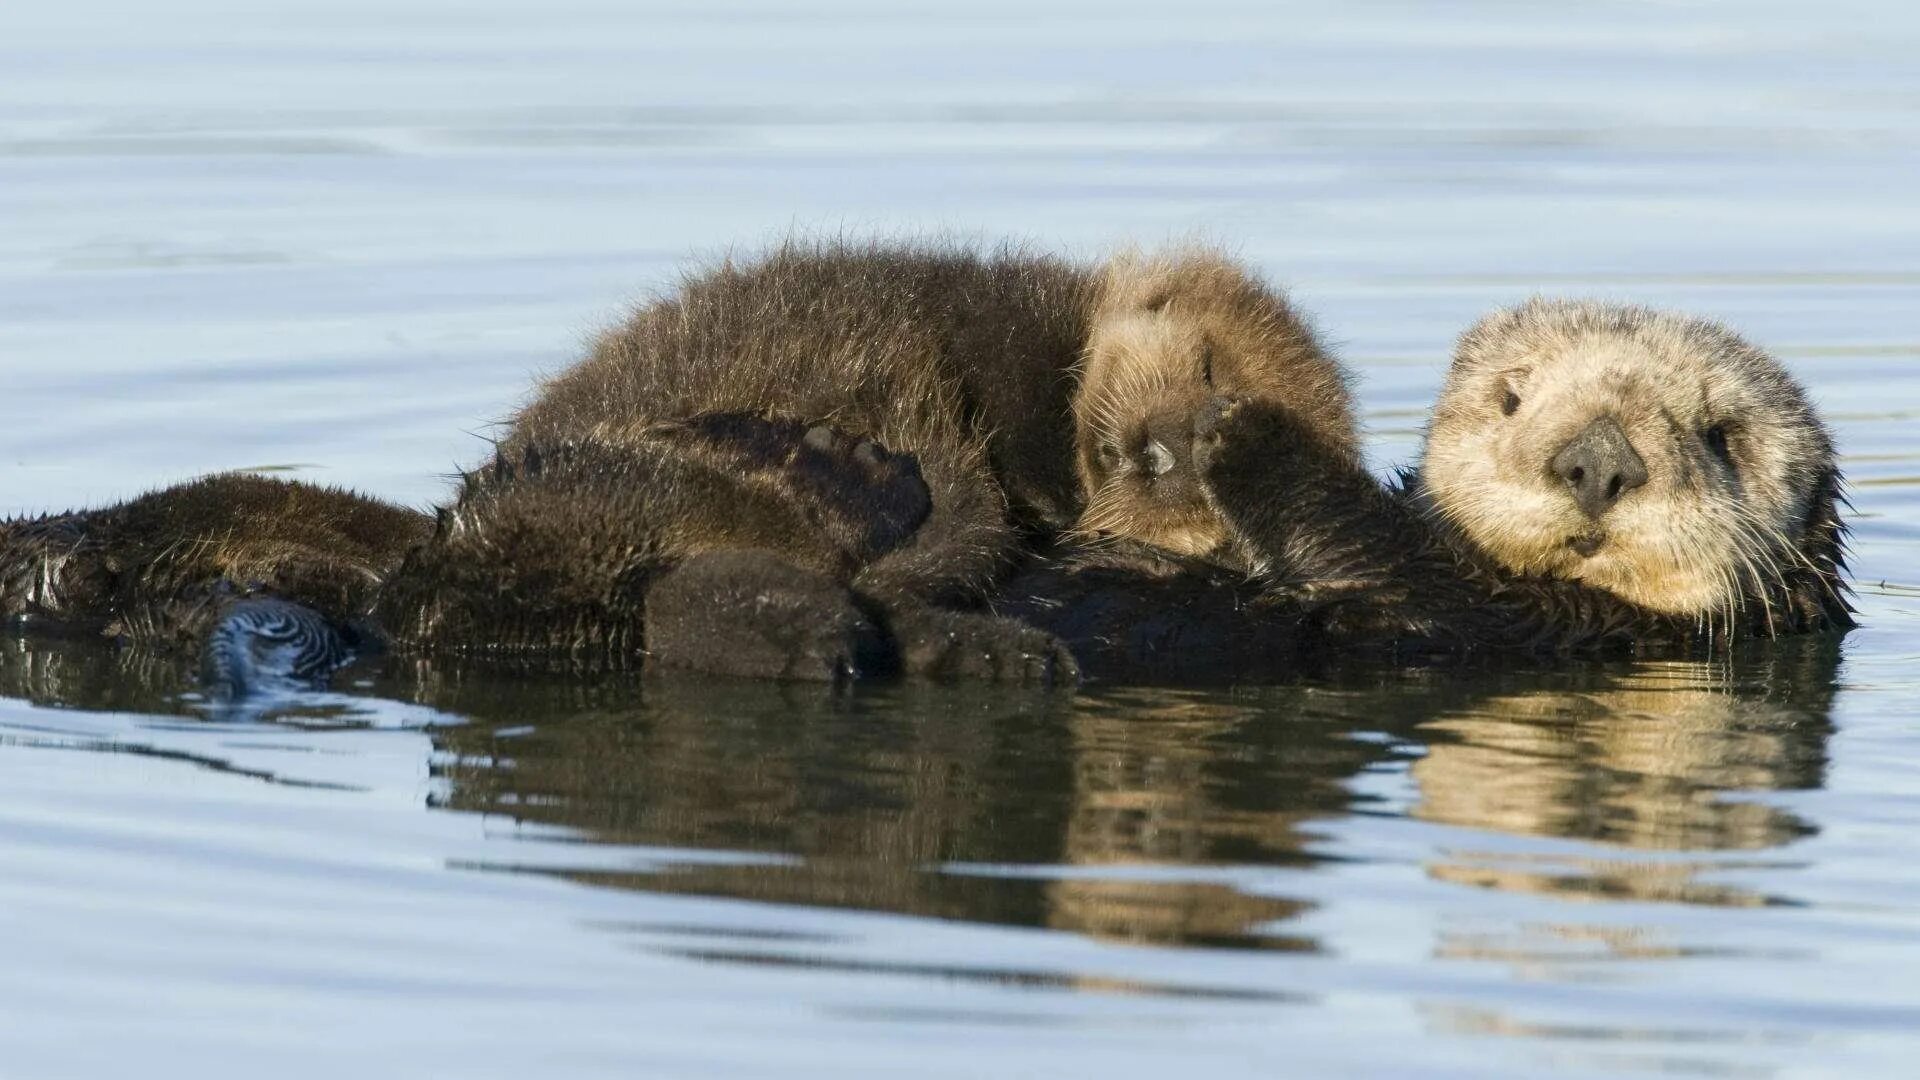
(1596,478)
(812,465)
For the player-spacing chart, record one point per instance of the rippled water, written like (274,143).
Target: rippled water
(340,238)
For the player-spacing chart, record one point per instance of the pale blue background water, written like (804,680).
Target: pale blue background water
(345,235)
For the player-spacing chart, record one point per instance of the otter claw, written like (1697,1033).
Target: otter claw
(821,437)
(1213,416)
(1209,429)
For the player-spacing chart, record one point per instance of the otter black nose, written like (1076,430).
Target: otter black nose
(1163,445)
(1156,459)
(1599,466)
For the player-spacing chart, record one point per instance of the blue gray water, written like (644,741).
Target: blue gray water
(341,237)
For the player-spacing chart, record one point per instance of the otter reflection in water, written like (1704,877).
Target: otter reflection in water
(977,805)
(1136,815)
(1652,759)
(1123,815)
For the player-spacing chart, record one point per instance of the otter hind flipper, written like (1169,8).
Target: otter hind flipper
(261,645)
(977,647)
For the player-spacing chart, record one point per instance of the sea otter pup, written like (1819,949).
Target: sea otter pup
(1596,478)
(1035,396)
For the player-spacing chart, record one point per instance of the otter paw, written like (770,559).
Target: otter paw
(874,496)
(985,648)
(1241,441)
(1213,422)
(751,614)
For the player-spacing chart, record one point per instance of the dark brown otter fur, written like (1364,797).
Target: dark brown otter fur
(708,487)
(962,361)
(159,569)
(298,577)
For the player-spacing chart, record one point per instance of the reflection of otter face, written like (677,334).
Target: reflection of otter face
(1656,456)
(1170,333)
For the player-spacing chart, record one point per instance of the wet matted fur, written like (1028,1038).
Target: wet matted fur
(158,570)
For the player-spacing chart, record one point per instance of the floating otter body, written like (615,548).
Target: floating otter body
(1596,479)
(812,466)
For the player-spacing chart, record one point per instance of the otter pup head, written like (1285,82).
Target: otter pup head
(1656,456)
(1170,333)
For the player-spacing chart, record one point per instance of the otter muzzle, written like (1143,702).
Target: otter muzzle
(1598,466)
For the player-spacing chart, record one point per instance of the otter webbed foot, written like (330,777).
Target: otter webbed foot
(261,645)
(752,614)
(964,646)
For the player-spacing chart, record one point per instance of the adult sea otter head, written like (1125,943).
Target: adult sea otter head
(1657,456)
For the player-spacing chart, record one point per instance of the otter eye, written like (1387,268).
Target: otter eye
(1716,439)
(1510,404)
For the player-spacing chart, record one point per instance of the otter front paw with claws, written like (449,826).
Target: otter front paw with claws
(1242,447)
(1257,447)
(1213,423)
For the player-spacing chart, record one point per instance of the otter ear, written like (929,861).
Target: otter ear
(1819,592)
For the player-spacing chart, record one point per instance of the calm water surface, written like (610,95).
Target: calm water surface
(340,238)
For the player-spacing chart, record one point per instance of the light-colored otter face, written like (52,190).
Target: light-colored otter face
(1170,333)
(1656,456)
